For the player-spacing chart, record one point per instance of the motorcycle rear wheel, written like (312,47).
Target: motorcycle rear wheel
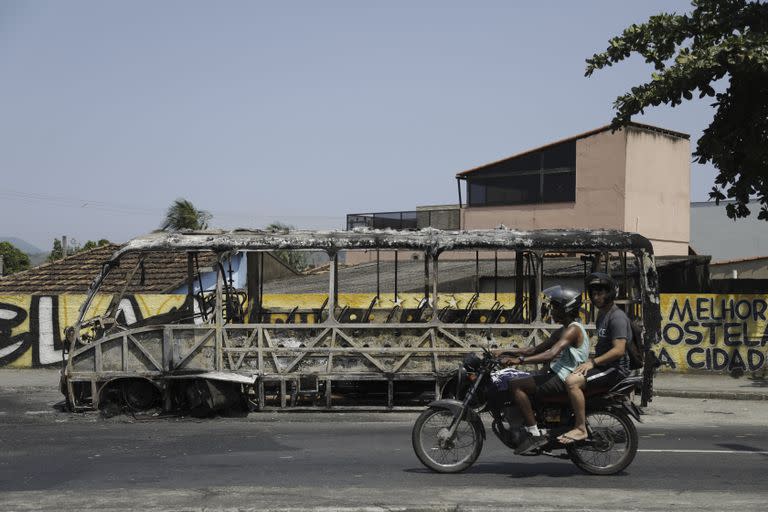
(612,445)
(454,456)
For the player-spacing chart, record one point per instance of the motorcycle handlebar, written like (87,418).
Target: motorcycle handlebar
(488,360)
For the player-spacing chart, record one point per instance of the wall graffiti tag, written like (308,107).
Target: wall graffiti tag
(12,346)
(708,332)
(32,326)
(714,332)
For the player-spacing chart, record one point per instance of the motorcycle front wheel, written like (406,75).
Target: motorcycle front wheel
(444,455)
(612,444)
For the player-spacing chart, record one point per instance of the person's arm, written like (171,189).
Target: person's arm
(569,337)
(529,351)
(512,352)
(618,349)
(619,328)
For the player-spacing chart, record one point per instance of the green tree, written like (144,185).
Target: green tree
(297,260)
(719,39)
(73,247)
(90,244)
(14,260)
(182,214)
(57,252)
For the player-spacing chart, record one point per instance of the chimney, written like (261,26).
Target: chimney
(64,245)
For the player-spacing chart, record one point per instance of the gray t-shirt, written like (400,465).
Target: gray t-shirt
(611,325)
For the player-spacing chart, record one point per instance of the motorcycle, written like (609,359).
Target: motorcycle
(448,436)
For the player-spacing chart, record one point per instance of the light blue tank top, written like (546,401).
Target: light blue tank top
(572,357)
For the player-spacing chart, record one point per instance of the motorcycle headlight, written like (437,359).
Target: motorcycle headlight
(472,363)
(461,378)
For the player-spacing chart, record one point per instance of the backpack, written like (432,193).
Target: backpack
(635,349)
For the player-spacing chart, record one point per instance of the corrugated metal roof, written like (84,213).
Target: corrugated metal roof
(361,278)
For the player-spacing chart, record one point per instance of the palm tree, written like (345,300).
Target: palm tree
(278,226)
(297,260)
(182,214)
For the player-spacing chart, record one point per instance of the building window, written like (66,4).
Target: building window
(547,176)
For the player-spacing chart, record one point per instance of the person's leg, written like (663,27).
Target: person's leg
(575,385)
(535,438)
(520,392)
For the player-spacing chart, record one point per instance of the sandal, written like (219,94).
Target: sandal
(566,439)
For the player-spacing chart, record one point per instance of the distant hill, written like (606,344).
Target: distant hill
(38,259)
(22,245)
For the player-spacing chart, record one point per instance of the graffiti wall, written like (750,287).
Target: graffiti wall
(32,326)
(702,332)
(714,332)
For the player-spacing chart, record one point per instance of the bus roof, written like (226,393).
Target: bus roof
(430,240)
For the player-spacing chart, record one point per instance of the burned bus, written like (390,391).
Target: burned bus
(363,318)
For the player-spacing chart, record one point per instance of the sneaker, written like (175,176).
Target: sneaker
(530,444)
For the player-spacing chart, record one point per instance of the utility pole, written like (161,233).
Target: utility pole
(1,265)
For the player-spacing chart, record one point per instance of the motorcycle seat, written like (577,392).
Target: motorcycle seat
(563,399)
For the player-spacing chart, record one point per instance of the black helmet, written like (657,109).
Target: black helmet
(602,280)
(567,299)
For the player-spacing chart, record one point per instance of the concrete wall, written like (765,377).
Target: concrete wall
(32,326)
(715,332)
(751,269)
(599,194)
(657,189)
(712,232)
(446,217)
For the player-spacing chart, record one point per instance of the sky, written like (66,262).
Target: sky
(299,112)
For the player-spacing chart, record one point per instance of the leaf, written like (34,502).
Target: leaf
(719,41)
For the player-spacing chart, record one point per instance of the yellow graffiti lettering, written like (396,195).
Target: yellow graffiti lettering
(713,332)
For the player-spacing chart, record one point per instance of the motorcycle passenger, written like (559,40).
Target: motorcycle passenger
(570,343)
(611,362)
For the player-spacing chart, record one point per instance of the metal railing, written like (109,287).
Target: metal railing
(447,218)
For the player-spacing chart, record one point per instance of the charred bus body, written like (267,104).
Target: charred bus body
(230,340)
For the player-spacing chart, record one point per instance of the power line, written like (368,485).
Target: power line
(72,202)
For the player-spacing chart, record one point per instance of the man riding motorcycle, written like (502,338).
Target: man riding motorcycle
(611,363)
(566,348)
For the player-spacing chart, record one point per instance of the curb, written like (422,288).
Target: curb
(713,395)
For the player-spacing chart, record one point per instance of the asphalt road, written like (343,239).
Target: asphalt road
(694,454)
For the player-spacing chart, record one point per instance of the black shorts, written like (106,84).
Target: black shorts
(603,377)
(548,384)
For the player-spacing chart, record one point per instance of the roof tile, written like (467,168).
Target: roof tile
(163,271)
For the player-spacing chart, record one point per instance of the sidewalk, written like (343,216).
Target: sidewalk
(710,385)
(29,378)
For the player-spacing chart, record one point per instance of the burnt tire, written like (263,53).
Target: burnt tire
(451,457)
(612,445)
(127,395)
(140,395)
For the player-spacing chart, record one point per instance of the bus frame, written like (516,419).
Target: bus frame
(248,354)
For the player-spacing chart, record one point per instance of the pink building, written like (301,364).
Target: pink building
(634,179)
